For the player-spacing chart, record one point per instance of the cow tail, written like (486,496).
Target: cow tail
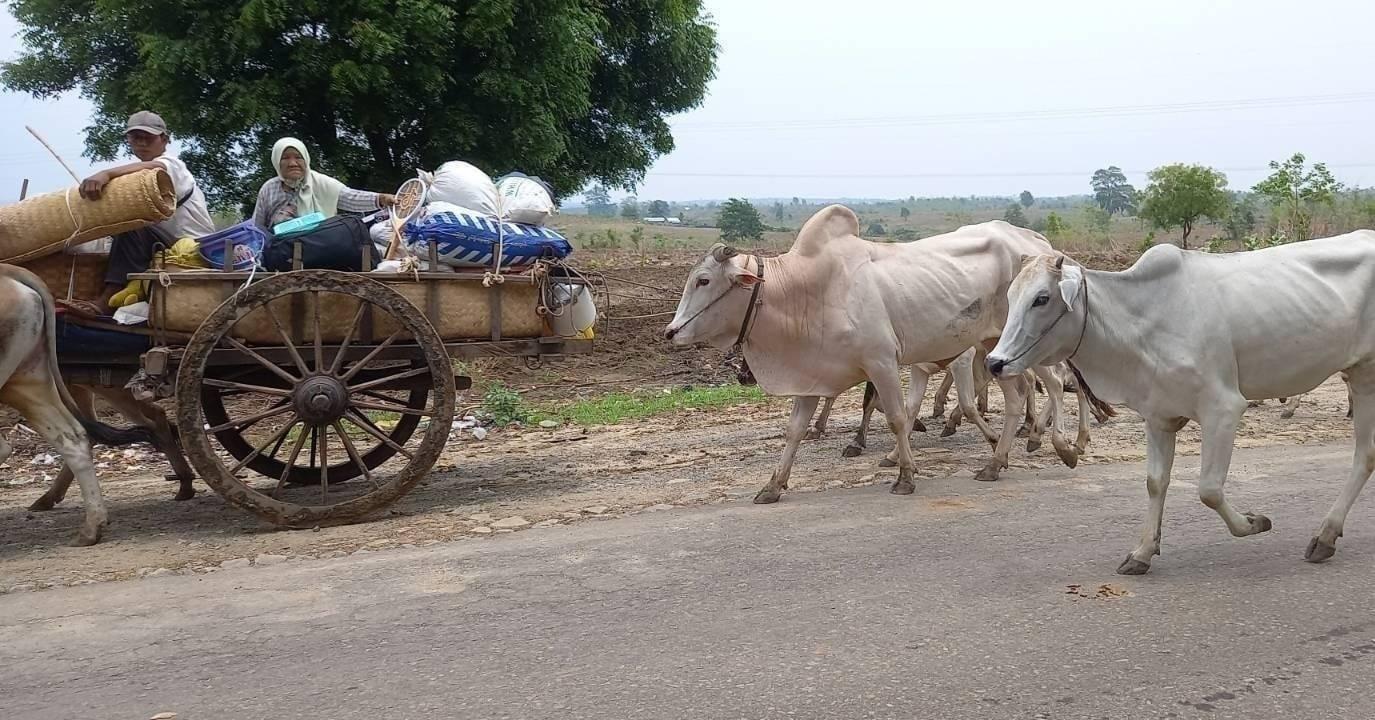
(1100,408)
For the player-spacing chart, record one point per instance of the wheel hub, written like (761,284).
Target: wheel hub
(320,399)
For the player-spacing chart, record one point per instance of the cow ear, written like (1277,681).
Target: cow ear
(1025,259)
(1070,282)
(745,278)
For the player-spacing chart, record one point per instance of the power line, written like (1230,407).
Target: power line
(1116,111)
(937,175)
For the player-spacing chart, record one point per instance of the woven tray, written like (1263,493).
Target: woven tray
(45,224)
(68,277)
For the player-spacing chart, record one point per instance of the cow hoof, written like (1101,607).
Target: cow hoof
(42,504)
(1319,551)
(988,474)
(917,426)
(1132,566)
(1287,415)
(88,537)
(1068,456)
(949,430)
(1259,523)
(904,487)
(937,412)
(851,451)
(767,496)
(813,434)
(1033,445)
(886,463)
(1023,431)
(184,494)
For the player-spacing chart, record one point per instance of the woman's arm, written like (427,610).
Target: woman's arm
(93,186)
(262,209)
(362,201)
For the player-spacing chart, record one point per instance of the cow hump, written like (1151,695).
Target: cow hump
(830,223)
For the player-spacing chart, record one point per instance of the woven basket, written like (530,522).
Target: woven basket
(68,277)
(45,224)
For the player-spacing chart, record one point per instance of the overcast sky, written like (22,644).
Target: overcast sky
(890,98)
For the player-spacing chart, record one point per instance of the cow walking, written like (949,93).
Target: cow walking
(1186,336)
(31,384)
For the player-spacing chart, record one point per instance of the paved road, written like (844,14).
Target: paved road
(844,604)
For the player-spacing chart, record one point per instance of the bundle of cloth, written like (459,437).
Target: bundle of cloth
(469,217)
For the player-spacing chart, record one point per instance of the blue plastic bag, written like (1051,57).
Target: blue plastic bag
(470,239)
(248,238)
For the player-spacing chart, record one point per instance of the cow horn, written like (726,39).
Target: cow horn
(1060,263)
(722,252)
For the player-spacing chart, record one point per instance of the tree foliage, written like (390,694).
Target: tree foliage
(1055,226)
(565,89)
(1179,195)
(630,208)
(876,229)
(739,220)
(1296,190)
(778,212)
(598,200)
(905,213)
(1112,192)
(1015,216)
(1027,199)
(659,208)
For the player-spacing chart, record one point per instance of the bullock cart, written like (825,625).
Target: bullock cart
(315,397)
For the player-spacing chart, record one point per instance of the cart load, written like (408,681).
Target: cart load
(46,224)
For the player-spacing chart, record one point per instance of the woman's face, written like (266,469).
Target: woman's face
(293,165)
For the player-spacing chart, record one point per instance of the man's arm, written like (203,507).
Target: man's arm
(93,186)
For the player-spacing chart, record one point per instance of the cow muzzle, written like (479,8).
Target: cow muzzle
(996,365)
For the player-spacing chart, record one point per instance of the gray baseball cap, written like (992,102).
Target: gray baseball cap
(147,121)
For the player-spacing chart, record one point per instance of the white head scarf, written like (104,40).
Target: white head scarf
(316,192)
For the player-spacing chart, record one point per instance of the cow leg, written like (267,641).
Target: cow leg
(1081,439)
(57,492)
(34,394)
(916,395)
(1219,436)
(942,394)
(1160,444)
(1055,415)
(889,387)
(803,408)
(1012,388)
(1290,405)
(149,415)
(857,446)
(965,391)
(953,422)
(819,428)
(1324,544)
(982,395)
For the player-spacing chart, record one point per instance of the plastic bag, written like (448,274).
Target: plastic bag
(464,185)
(524,199)
(467,239)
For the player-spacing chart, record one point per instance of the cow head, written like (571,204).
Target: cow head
(1044,316)
(713,306)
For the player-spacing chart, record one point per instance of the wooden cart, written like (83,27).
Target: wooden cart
(317,396)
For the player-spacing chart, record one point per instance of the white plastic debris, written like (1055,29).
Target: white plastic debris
(480,433)
(44,459)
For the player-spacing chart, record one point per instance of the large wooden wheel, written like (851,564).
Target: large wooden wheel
(277,430)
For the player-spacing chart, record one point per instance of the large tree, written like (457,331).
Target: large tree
(1179,195)
(1295,190)
(1112,192)
(739,220)
(571,90)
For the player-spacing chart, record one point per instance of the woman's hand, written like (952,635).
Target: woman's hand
(385,200)
(93,186)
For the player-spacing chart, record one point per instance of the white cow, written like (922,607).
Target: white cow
(1192,336)
(836,310)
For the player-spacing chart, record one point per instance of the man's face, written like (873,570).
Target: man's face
(145,145)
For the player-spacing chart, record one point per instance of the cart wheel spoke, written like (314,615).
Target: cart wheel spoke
(348,338)
(324,465)
(295,453)
(249,421)
(366,425)
(276,370)
(417,372)
(319,333)
(353,454)
(369,357)
(279,438)
(246,388)
(398,409)
(286,341)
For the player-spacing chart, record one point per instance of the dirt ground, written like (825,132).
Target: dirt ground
(531,478)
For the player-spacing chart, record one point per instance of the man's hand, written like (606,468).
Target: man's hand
(93,186)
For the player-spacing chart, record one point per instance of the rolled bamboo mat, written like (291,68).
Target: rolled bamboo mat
(45,224)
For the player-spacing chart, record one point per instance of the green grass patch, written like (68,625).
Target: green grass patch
(619,407)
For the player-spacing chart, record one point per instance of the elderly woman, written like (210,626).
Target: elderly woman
(298,191)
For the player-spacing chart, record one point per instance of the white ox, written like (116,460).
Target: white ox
(836,310)
(31,384)
(1192,336)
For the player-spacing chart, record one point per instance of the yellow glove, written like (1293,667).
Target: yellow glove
(132,293)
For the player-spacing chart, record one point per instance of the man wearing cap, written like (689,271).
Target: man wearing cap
(132,252)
